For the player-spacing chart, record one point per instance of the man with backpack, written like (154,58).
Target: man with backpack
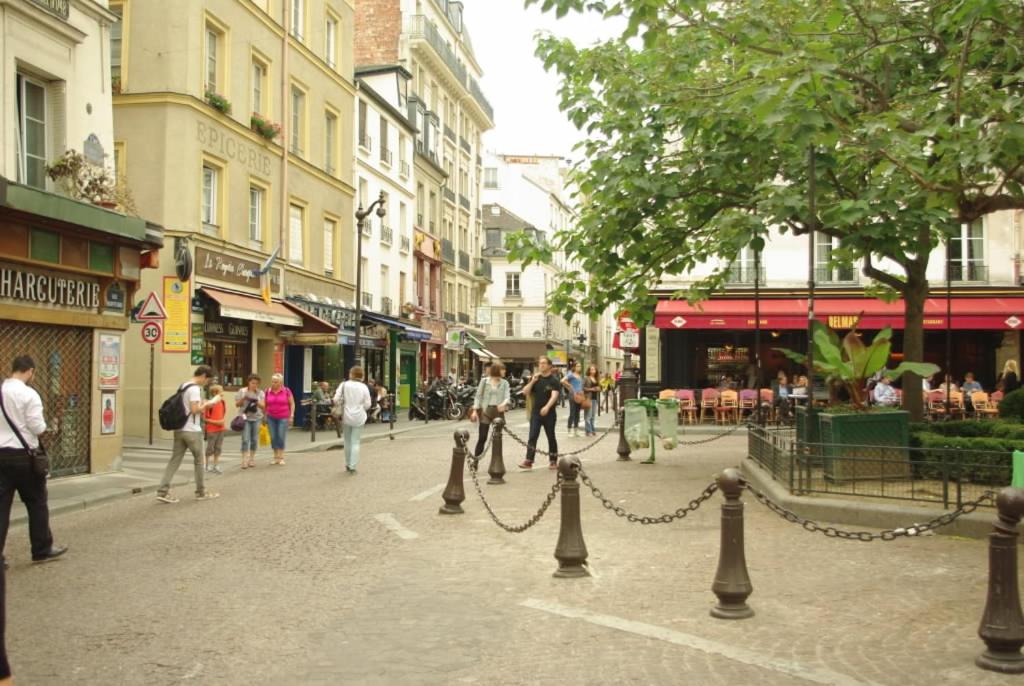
(182,413)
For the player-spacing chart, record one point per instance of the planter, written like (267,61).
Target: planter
(106,204)
(808,429)
(865,445)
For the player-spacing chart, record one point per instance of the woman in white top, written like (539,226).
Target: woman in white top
(354,396)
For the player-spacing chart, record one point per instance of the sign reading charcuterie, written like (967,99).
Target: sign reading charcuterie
(48,288)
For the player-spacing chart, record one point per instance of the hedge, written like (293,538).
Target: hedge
(1012,406)
(981,460)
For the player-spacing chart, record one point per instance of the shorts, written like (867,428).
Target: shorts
(214,443)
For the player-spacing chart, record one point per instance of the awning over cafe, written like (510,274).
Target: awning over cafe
(252,308)
(476,346)
(408,331)
(518,350)
(983,313)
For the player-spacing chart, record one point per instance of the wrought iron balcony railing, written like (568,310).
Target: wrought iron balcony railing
(968,272)
(447,251)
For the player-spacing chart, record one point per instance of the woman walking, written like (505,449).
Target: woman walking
(280,414)
(573,382)
(492,399)
(592,392)
(251,402)
(352,399)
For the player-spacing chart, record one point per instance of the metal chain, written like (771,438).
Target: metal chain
(693,506)
(723,434)
(487,446)
(582,450)
(515,529)
(869,536)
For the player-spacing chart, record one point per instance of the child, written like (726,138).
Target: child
(214,417)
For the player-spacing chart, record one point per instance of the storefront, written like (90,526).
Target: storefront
(67,272)
(518,356)
(432,349)
(479,355)
(699,346)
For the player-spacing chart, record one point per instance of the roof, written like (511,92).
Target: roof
(506,221)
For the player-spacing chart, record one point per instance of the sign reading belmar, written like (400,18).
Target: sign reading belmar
(235,270)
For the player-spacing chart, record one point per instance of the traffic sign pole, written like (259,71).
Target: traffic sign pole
(152,355)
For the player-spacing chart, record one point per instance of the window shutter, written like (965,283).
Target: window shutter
(57,94)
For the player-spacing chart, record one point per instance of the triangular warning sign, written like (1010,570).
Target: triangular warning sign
(152,310)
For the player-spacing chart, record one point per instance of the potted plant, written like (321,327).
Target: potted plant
(82,180)
(218,102)
(847,365)
(264,127)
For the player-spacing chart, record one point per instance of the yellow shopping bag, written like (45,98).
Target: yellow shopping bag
(264,435)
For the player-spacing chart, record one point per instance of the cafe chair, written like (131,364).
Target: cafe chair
(687,405)
(727,409)
(748,402)
(708,403)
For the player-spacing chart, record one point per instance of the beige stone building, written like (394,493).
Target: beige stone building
(233,126)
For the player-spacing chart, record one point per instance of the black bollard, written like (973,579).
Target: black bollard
(497,467)
(1002,624)
(623,449)
(732,583)
(571,550)
(454,493)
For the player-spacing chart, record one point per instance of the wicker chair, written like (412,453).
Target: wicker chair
(728,407)
(983,407)
(708,403)
(687,405)
(748,402)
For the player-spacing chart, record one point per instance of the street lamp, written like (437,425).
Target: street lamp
(361,216)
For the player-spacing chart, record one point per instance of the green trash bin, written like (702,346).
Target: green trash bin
(638,426)
(668,423)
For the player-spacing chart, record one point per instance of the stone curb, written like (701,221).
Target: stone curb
(862,512)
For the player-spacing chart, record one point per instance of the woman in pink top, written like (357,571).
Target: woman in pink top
(280,413)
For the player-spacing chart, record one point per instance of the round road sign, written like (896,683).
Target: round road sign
(151,332)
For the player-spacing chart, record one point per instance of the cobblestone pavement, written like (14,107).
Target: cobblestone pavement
(292,578)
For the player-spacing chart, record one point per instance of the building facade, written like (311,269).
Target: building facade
(430,39)
(983,311)
(68,268)
(233,125)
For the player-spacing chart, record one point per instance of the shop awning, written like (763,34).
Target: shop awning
(252,308)
(475,345)
(518,350)
(981,313)
(408,331)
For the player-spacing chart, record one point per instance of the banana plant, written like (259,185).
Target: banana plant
(850,362)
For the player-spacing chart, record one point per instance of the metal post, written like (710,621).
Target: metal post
(391,416)
(454,493)
(759,419)
(152,382)
(732,583)
(571,550)
(313,411)
(1002,624)
(949,335)
(496,468)
(359,283)
(812,206)
(623,449)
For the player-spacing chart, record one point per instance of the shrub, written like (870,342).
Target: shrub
(1009,431)
(967,428)
(982,460)
(218,102)
(1012,406)
(264,126)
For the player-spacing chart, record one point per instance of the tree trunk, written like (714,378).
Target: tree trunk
(913,345)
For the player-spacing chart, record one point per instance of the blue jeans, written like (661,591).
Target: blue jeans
(351,434)
(574,414)
(278,431)
(588,417)
(250,436)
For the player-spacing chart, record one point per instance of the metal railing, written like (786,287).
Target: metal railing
(969,272)
(464,201)
(449,317)
(449,133)
(403,168)
(447,251)
(463,318)
(387,235)
(419,220)
(385,156)
(385,305)
(367,229)
(433,227)
(365,141)
(825,275)
(743,274)
(516,293)
(464,144)
(368,300)
(464,260)
(405,244)
(482,268)
(449,194)
(478,95)
(479,161)
(425,29)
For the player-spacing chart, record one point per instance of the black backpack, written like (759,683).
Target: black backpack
(173,414)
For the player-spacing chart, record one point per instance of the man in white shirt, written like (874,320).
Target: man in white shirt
(189,437)
(25,408)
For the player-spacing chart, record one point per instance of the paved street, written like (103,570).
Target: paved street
(303,575)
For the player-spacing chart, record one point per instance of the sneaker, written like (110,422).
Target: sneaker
(216,469)
(209,495)
(552,465)
(526,464)
(167,498)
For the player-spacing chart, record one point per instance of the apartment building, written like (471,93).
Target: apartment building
(68,266)
(233,124)
(430,39)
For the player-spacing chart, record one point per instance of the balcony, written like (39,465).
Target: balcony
(403,169)
(449,194)
(405,244)
(740,274)
(449,317)
(447,251)
(464,201)
(463,318)
(482,268)
(433,227)
(479,161)
(365,142)
(478,95)
(968,272)
(385,156)
(386,235)
(385,305)
(513,293)
(838,275)
(449,133)
(464,260)
(464,144)
(368,301)
(419,220)
(367,229)
(424,29)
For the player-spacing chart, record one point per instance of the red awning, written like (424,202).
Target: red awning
(988,314)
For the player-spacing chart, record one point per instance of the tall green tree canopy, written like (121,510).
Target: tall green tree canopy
(701,116)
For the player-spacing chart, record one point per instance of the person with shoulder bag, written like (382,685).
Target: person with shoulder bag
(251,402)
(23,462)
(351,401)
(491,401)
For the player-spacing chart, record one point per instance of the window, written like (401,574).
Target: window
(296,222)
(120,168)
(512,285)
(116,43)
(212,56)
(211,190)
(401,289)
(403,217)
(331,41)
(491,177)
(364,192)
(403,161)
(256,199)
(298,19)
(298,117)
(259,80)
(329,226)
(385,153)
(420,209)
(493,239)
(825,271)
(330,142)
(967,253)
(44,246)
(742,268)
(32,132)
(512,324)
(364,137)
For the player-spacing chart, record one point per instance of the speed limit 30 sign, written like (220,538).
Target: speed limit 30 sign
(151,332)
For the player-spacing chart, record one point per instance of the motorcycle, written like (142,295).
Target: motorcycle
(464,395)
(517,399)
(437,401)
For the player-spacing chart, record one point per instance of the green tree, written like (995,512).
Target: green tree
(701,117)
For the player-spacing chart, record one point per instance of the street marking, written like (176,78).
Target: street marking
(433,490)
(813,674)
(392,525)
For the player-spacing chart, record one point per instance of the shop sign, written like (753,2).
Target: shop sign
(177,327)
(198,344)
(436,328)
(110,361)
(843,321)
(113,299)
(339,316)
(233,147)
(483,316)
(108,413)
(652,354)
(62,8)
(234,270)
(48,289)
(233,331)
(455,340)
(279,358)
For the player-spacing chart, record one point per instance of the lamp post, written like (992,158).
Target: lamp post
(361,216)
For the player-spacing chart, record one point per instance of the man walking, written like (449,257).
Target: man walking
(21,424)
(189,437)
(543,392)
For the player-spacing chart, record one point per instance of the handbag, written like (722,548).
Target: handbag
(581,399)
(338,411)
(238,423)
(264,435)
(38,459)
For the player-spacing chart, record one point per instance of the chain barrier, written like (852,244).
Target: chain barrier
(582,450)
(512,528)
(715,437)
(693,506)
(869,536)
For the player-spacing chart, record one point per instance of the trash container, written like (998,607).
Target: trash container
(668,423)
(638,426)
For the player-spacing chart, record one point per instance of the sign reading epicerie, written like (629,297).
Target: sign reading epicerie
(48,289)
(233,147)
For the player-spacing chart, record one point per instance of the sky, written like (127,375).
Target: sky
(524,96)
